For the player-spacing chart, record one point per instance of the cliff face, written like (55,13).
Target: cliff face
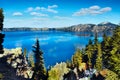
(14,66)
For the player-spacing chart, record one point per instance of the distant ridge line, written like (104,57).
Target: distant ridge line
(102,27)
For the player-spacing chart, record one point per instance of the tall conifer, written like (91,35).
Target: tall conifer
(39,69)
(1,28)
(98,64)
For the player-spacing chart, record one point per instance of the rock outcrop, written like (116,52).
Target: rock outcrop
(14,62)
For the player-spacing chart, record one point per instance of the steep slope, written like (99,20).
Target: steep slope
(102,27)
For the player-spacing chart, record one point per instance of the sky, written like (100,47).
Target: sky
(59,13)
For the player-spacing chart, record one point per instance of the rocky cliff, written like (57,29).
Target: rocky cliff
(14,66)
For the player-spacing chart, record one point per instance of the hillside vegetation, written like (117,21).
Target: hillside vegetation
(102,59)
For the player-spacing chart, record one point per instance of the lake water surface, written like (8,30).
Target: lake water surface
(57,46)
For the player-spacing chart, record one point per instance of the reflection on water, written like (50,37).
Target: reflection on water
(57,46)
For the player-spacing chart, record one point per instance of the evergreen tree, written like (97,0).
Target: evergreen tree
(111,51)
(111,75)
(89,51)
(90,42)
(105,46)
(95,50)
(98,64)
(1,28)
(69,64)
(25,52)
(77,58)
(39,70)
(31,60)
(114,60)
(96,38)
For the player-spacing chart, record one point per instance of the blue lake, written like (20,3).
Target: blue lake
(57,46)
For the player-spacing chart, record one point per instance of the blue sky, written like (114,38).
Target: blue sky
(59,13)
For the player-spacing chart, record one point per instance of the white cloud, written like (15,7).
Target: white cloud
(30,9)
(106,9)
(37,8)
(40,19)
(43,8)
(61,17)
(37,14)
(17,14)
(53,6)
(48,9)
(93,10)
(51,10)
(94,7)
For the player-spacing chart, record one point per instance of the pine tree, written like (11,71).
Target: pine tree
(77,58)
(69,64)
(95,50)
(96,38)
(111,75)
(25,52)
(114,60)
(90,42)
(105,46)
(31,60)
(111,51)
(1,28)
(98,64)
(89,51)
(39,70)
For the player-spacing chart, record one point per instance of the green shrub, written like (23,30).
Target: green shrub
(1,76)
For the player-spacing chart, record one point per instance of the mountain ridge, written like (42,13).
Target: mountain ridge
(101,27)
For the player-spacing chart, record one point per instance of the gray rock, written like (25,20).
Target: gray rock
(18,62)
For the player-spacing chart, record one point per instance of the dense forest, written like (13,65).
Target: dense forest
(97,61)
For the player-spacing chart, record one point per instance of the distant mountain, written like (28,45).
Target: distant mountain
(25,29)
(102,27)
(107,24)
